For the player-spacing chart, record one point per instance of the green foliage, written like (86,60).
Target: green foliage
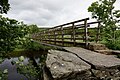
(28,70)
(31,70)
(1,59)
(11,34)
(30,45)
(33,29)
(103,10)
(3,74)
(4,6)
(114,44)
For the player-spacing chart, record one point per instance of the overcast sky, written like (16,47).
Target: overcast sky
(50,12)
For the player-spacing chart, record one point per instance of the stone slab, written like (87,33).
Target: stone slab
(100,61)
(62,64)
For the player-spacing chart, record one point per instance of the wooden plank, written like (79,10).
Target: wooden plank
(94,22)
(67,38)
(67,28)
(76,27)
(72,22)
(81,33)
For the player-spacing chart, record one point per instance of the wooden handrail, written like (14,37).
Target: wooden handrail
(70,23)
(75,32)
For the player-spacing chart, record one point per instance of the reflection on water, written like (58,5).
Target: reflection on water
(12,70)
(28,69)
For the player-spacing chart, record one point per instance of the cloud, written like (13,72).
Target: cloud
(48,12)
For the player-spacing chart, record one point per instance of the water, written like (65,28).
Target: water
(28,69)
(12,70)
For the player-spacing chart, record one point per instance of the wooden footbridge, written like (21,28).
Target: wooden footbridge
(73,34)
(76,33)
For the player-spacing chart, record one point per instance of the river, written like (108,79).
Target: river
(24,66)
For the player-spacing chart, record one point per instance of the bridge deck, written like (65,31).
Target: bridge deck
(99,61)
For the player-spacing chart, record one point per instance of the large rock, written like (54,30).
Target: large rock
(100,48)
(64,65)
(77,64)
(96,46)
(99,61)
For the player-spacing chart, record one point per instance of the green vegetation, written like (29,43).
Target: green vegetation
(4,6)
(11,34)
(4,74)
(31,70)
(33,46)
(15,37)
(103,10)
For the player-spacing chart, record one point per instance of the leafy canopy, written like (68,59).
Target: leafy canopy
(11,33)
(4,6)
(104,11)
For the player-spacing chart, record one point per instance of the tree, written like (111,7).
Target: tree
(11,33)
(4,6)
(33,28)
(103,10)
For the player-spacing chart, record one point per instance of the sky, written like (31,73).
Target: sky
(50,12)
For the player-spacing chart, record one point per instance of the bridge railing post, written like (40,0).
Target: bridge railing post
(44,35)
(62,34)
(49,36)
(98,32)
(41,37)
(73,33)
(86,33)
(54,35)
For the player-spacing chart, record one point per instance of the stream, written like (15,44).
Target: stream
(24,66)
